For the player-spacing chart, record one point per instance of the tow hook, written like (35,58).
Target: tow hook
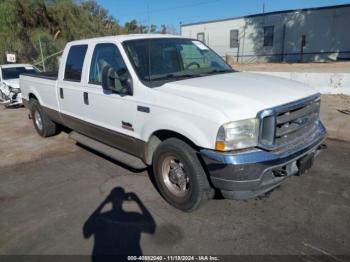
(279,172)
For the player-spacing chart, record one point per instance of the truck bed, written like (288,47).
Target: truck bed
(43,86)
(45,75)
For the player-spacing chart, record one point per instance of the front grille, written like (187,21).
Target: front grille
(288,123)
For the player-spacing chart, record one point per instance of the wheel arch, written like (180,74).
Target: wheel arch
(158,137)
(34,95)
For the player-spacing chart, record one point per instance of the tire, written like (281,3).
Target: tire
(42,123)
(175,163)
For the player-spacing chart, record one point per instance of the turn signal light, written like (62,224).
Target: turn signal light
(220,145)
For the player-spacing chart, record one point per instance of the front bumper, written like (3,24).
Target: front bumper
(245,175)
(13,99)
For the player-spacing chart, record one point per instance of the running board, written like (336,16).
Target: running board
(109,151)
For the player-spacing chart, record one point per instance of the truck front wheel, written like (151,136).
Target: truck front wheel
(42,123)
(179,175)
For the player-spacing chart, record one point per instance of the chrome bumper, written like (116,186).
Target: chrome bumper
(247,174)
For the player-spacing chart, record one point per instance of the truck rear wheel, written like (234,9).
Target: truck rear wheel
(42,123)
(179,175)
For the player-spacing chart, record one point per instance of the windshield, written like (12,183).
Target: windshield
(14,72)
(169,59)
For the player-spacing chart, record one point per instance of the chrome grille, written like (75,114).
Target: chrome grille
(288,123)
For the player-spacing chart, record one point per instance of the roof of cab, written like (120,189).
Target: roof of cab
(122,38)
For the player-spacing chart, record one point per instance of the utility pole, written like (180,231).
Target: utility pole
(263,9)
(42,56)
(148,19)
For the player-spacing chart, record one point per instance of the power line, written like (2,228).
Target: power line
(47,57)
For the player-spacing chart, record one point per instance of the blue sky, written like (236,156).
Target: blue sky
(188,11)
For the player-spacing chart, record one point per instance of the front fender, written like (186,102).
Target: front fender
(199,132)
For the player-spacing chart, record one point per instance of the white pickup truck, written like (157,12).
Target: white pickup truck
(10,93)
(172,103)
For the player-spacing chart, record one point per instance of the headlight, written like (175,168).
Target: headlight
(238,135)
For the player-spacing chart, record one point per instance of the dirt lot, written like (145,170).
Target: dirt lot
(335,67)
(19,144)
(49,189)
(337,123)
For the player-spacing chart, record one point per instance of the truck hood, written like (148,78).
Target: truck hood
(238,95)
(12,82)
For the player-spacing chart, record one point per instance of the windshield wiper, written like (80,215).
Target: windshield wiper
(175,76)
(218,71)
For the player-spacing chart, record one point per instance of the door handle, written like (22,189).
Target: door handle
(86,98)
(61,93)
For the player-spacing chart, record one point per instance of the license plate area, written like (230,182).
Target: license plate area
(305,163)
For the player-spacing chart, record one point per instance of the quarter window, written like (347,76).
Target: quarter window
(268,35)
(105,55)
(75,62)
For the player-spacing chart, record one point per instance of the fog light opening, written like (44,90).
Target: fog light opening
(280,172)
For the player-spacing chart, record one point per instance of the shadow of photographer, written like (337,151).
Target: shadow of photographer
(117,232)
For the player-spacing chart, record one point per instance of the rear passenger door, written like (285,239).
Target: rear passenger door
(70,88)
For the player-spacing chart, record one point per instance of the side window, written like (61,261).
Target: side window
(105,54)
(74,63)
(268,35)
(234,39)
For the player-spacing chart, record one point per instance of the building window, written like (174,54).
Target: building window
(268,35)
(201,37)
(234,43)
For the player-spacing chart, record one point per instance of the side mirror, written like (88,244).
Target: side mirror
(119,82)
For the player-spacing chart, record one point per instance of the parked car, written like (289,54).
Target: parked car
(172,103)
(10,93)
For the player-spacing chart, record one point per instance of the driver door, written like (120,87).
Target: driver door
(110,115)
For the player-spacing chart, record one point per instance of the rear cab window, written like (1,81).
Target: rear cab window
(75,62)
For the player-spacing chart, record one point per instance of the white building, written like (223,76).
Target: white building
(313,34)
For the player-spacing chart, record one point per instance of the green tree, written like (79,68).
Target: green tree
(131,27)
(163,29)
(54,22)
(153,29)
